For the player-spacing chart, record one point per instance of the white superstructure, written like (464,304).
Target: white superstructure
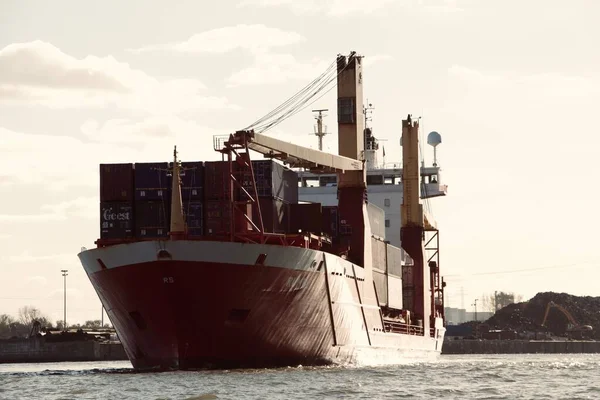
(384,185)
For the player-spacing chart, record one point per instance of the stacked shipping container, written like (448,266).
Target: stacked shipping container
(116,201)
(277,189)
(192,195)
(217,209)
(330,221)
(135,200)
(152,200)
(192,181)
(306,217)
(387,273)
(394,272)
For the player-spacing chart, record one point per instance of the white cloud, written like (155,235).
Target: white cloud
(542,86)
(277,68)
(226,39)
(40,64)
(36,281)
(371,60)
(269,68)
(120,140)
(40,73)
(330,7)
(153,138)
(58,294)
(439,6)
(339,8)
(26,257)
(81,207)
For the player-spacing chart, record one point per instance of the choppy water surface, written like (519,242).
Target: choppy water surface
(451,377)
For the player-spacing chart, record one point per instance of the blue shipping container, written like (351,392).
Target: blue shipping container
(152,219)
(272,180)
(152,181)
(192,180)
(193,212)
(192,174)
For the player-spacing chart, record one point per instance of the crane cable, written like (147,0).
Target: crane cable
(300,100)
(291,99)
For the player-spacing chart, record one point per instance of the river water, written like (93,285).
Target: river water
(523,376)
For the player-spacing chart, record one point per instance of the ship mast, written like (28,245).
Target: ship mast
(177,230)
(412,231)
(319,131)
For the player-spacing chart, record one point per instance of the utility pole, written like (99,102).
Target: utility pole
(475,304)
(320,132)
(64,274)
(102,318)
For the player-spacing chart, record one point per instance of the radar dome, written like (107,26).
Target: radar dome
(434,138)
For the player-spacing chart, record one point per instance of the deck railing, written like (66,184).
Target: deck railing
(399,327)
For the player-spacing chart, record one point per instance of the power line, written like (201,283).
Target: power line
(517,270)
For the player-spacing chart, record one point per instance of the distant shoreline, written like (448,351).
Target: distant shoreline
(474,346)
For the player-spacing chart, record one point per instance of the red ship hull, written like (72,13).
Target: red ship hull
(191,312)
(216,315)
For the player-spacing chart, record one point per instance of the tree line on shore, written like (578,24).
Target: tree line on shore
(22,324)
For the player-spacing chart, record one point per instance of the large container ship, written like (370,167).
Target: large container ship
(221,264)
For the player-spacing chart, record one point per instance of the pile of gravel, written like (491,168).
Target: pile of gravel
(528,316)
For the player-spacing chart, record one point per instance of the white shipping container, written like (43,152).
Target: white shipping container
(376,220)
(395,292)
(394,260)
(378,253)
(381,285)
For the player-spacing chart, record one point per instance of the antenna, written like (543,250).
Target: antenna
(434,139)
(320,130)
(367,111)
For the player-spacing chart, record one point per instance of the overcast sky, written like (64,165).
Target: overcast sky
(513,87)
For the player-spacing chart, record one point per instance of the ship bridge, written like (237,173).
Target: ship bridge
(384,189)
(384,176)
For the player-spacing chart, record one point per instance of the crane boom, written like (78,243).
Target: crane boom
(296,156)
(567,314)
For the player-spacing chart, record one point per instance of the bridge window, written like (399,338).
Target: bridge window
(374,180)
